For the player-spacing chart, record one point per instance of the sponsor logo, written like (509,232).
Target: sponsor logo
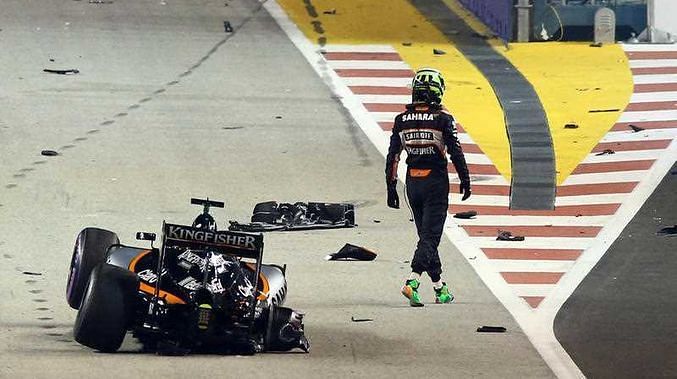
(192,258)
(190,284)
(418,117)
(421,150)
(148,276)
(224,239)
(418,135)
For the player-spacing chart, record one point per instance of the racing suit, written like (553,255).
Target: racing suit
(427,133)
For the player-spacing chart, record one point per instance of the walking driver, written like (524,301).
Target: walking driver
(427,133)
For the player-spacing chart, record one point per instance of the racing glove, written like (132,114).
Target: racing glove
(393,197)
(465,189)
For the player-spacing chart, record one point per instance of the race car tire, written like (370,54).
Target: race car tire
(107,308)
(90,250)
(268,218)
(265,207)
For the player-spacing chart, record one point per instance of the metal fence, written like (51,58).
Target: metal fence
(496,14)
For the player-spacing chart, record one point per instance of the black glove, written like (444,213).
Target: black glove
(465,189)
(393,197)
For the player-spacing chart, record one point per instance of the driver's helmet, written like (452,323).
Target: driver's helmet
(427,86)
(205,221)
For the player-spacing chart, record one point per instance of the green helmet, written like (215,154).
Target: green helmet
(428,86)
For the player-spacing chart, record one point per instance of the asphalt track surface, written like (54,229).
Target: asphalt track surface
(620,322)
(166,107)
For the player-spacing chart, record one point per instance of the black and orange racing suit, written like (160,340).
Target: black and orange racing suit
(427,133)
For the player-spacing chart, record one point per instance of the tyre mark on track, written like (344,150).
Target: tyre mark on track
(158,91)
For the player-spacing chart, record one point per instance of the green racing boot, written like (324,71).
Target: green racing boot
(410,291)
(442,295)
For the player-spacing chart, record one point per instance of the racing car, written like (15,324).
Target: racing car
(203,290)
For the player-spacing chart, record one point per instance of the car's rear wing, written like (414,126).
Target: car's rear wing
(241,244)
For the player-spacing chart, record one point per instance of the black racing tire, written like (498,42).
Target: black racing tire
(90,250)
(268,218)
(107,309)
(266,207)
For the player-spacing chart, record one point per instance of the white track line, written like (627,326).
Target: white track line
(605,177)
(644,135)
(477,158)
(533,242)
(540,290)
(385,99)
(650,97)
(652,63)
(615,198)
(655,79)
(377,82)
(503,201)
(356,48)
(534,220)
(495,180)
(531,265)
(388,65)
(629,47)
(621,156)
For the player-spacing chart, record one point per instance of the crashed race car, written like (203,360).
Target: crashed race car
(213,293)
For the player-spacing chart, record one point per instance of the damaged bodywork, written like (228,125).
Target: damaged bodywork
(203,290)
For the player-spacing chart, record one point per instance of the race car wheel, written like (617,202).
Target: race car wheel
(265,207)
(107,308)
(90,249)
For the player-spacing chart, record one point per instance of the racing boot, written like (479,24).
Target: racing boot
(442,295)
(410,291)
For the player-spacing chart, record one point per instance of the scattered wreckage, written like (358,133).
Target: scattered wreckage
(274,216)
(214,294)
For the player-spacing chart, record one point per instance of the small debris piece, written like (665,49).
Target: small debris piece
(466,215)
(331,11)
(570,126)
(101,1)
(599,44)
(51,59)
(406,43)
(439,52)
(352,253)
(49,153)
(227,27)
(353,319)
(504,235)
(605,152)
(377,221)
(62,72)
(278,117)
(232,127)
(31,273)
(491,329)
(635,128)
(603,110)
(667,231)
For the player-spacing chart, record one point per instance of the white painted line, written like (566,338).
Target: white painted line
(533,220)
(382,65)
(504,201)
(649,47)
(477,158)
(384,117)
(529,265)
(615,198)
(650,97)
(385,99)
(652,63)
(638,116)
(540,290)
(533,242)
(644,135)
(494,180)
(621,156)
(654,79)
(335,48)
(605,177)
(377,82)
